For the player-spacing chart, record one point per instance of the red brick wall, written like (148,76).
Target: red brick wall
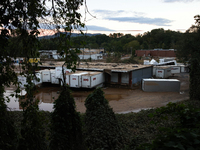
(160,53)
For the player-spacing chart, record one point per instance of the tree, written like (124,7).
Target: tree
(189,52)
(22,19)
(102,128)
(66,124)
(16,17)
(132,46)
(8,136)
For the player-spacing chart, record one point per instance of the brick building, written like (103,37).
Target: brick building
(158,53)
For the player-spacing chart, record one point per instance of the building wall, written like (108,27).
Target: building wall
(129,78)
(125,78)
(114,77)
(138,75)
(159,53)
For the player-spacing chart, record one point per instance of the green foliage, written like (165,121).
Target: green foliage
(108,58)
(32,130)
(184,135)
(8,134)
(175,140)
(131,60)
(66,132)
(132,46)
(170,108)
(138,128)
(22,22)
(189,52)
(113,57)
(194,79)
(157,38)
(102,128)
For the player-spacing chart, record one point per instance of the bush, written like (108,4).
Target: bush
(102,128)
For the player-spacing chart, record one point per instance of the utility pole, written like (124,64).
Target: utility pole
(83,53)
(131,51)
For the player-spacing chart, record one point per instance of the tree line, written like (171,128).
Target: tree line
(116,42)
(123,43)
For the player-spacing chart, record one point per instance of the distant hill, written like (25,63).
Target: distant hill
(72,35)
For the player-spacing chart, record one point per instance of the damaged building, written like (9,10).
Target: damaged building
(128,75)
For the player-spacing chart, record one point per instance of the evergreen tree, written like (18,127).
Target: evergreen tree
(66,133)
(102,128)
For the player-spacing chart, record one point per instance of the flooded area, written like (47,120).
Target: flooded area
(121,100)
(47,95)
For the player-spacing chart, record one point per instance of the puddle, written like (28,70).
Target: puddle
(111,97)
(47,95)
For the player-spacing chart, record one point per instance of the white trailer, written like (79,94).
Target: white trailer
(146,62)
(92,79)
(163,72)
(38,78)
(67,79)
(22,81)
(154,70)
(175,69)
(184,68)
(54,80)
(76,79)
(46,76)
(58,71)
(160,85)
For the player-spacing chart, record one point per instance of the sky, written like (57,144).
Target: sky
(138,16)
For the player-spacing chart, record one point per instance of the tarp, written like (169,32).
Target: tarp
(153,62)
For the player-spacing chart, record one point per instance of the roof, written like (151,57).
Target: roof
(168,80)
(100,66)
(114,67)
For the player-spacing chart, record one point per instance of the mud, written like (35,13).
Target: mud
(121,100)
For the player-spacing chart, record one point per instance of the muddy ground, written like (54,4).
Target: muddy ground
(127,100)
(121,100)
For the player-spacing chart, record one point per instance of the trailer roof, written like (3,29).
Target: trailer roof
(162,67)
(84,73)
(91,73)
(161,80)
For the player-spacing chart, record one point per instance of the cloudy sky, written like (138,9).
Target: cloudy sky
(138,16)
